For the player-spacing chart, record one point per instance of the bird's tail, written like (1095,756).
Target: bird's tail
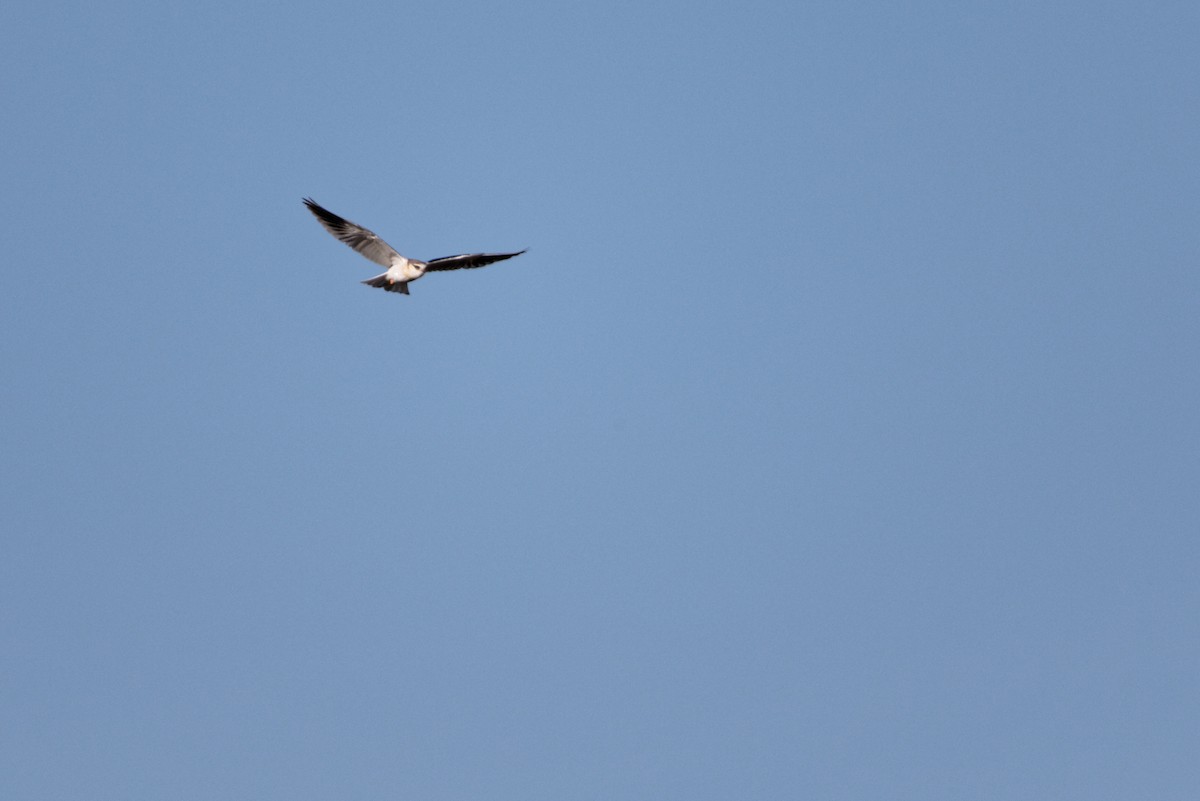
(381,282)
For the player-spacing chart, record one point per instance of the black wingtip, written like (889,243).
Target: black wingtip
(327,217)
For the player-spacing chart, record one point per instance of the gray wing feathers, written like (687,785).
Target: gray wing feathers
(357,237)
(468,261)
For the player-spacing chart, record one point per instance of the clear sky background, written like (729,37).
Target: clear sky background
(837,437)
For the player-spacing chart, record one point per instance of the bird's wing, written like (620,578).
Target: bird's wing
(468,261)
(357,237)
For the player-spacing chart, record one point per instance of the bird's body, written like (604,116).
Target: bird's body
(400,270)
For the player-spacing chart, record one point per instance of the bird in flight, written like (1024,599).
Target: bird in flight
(400,270)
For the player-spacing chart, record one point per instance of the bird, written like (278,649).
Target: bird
(400,269)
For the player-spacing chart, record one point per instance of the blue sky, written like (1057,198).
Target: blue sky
(836,438)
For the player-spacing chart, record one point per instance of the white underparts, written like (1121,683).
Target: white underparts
(403,269)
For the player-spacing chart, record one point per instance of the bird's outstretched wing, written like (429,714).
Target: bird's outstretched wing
(468,261)
(357,237)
